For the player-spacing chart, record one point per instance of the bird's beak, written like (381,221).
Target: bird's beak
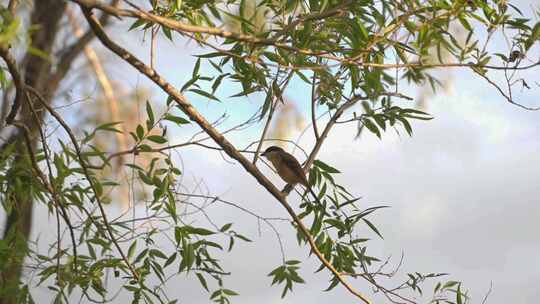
(263,154)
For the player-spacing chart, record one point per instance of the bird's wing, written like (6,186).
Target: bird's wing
(296,167)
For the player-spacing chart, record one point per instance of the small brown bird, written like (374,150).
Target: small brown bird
(287,167)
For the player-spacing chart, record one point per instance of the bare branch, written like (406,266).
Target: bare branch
(508,96)
(484,301)
(17,80)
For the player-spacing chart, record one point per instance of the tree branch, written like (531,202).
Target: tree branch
(183,28)
(72,52)
(86,173)
(17,81)
(508,96)
(194,115)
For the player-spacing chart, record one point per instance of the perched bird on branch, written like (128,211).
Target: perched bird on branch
(288,168)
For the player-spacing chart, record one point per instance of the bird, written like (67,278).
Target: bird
(288,167)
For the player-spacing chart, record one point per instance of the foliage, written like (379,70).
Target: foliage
(347,52)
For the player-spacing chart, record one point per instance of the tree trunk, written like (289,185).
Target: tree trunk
(46,15)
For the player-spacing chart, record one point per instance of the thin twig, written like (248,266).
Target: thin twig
(86,173)
(484,301)
(507,97)
(314,106)
(273,106)
(51,186)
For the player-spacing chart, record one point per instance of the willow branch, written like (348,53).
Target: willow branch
(51,188)
(228,148)
(333,120)
(86,173)
(184,28)
(508,96)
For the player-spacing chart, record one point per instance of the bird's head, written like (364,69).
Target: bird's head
(272,151)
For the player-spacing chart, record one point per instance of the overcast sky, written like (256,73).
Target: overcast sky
(464,195)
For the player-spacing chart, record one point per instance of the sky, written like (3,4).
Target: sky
(464,193)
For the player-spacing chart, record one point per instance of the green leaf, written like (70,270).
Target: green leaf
(267,103)
(211,55)
(188,256)
(325,167)
(373,227)
(215,294)
(176,119)
(109,127)
(170,260)
(465,23)
(199,231)
(140,132)
(167,32)
(296,278)
(189,83)
(158,139)
(150,113)
(245,239)
(459,299)
(196,68)
(217,82)
(231,244)
(406,125)
(535,36)
(229,292)
(144,148)
(449,284)
(371,127)
(140,256)
(131,250)
(379,119)
(225,227)
(145,179)
(273,57)
(178,234)
(332,284)
(202,280)
(203,93)
(245,92)
(336,223)
(136,24)
(157,253)
(211,244)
